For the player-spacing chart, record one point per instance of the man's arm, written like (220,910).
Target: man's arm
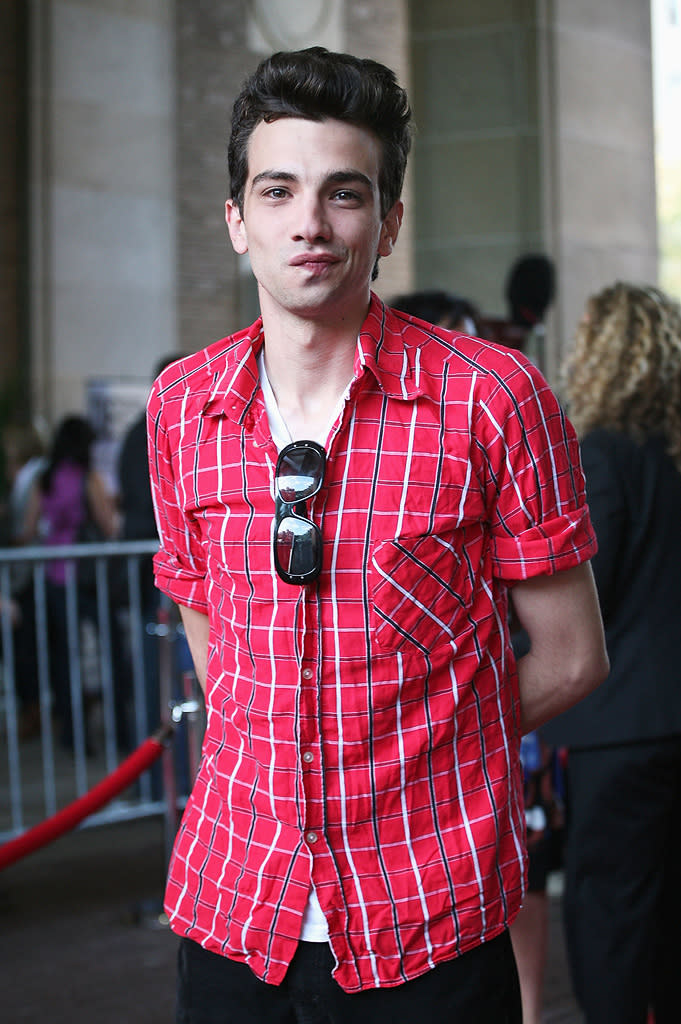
(196,630)
(567,657)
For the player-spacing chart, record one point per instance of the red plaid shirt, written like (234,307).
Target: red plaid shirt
(362,732)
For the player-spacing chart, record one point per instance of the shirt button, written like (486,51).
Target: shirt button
(308,756)
(307,673)
(311,838)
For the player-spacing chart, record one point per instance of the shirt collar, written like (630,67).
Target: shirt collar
(235,375)
(381,351)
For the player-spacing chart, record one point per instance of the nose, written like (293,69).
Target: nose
(311,224)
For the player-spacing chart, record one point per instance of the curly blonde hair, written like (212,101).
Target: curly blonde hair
(624,373)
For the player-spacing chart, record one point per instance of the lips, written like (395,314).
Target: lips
(313,258)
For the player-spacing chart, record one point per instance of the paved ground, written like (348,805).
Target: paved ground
(79,946)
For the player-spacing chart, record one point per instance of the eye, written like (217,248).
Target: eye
(276,192)
(347,196)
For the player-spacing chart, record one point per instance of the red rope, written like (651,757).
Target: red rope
(70,816)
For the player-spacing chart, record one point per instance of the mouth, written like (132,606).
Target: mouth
(314,260)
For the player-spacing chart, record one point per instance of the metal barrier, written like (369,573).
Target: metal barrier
(128,667)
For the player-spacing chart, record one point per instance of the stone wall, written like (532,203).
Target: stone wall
(603,214)
(102,195)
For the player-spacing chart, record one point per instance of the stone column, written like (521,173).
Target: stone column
(102,195)
(599,153)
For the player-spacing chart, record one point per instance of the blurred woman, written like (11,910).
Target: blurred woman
(67,494)
(622,899)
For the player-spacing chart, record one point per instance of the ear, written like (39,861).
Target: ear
(390,229)
(236,227)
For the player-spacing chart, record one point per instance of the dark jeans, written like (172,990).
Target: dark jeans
(622,900)
(480,987)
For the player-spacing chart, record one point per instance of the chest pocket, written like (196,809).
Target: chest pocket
(421,586)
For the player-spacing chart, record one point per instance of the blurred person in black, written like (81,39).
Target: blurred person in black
(529,290)
(622,899)
(134,490)
(24,461)
(138,523)
(440,307)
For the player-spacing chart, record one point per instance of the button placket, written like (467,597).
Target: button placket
(309,754)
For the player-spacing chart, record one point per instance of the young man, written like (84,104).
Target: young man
(345,497)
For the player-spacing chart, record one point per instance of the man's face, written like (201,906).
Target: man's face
(311,218)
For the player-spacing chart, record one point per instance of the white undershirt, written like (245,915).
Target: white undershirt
(280,432)
(314,927)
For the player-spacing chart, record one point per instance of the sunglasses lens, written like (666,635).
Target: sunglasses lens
(298,547)
(299,474)
(297,540)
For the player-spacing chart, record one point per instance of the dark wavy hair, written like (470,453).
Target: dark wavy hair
(530,289)
(317,84)
(72,443)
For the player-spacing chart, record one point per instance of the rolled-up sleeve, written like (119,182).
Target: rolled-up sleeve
(179,565)
(539,516)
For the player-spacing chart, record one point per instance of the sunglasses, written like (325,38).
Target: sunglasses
(297,542)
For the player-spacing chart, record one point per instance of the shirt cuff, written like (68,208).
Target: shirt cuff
(552,546)
(182,585)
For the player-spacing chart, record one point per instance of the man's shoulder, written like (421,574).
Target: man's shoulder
(199,372)
(440,351)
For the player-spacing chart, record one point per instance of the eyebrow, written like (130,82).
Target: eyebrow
(346,177)
(340,177)
(273,176)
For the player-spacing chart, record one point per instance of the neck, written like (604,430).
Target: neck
(309,366)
